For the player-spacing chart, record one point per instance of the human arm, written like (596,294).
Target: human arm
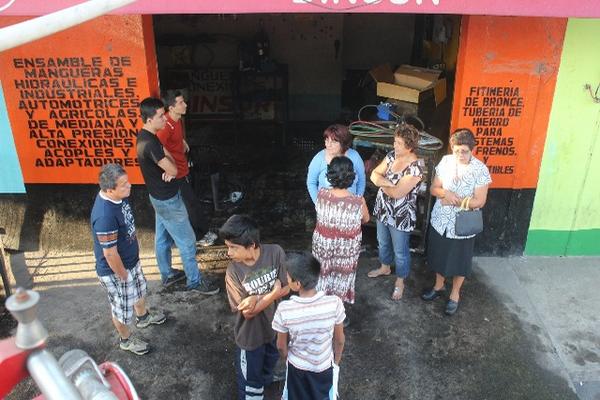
(252,305)
(280,327)
(403,187)
(482,183)
(447,197)
(167,164)
(338,332)
(479,197)
(365,216)
(114,262)
(359,170)
(106,229)
(280,286)
(338,342)
(235,290)
(378,175)
(282,344)
(158,153)
(312,177)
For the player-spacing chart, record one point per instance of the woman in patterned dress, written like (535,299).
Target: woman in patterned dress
(338,234)
(397,177)
(457,176)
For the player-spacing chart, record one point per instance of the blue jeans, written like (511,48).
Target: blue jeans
(393,247)
(173,226)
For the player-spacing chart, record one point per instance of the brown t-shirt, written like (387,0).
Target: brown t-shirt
(242,281)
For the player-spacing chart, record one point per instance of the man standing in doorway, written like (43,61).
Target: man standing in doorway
(172,137)
(118,258)
(172,223)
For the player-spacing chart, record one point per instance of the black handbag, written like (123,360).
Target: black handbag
(468,222)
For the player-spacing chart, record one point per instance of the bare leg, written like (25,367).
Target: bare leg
(457,283)
(140,307)
(121,328)
(439,282)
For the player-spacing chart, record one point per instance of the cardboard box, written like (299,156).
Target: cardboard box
(409,83)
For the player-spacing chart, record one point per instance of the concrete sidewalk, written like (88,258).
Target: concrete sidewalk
(558,300)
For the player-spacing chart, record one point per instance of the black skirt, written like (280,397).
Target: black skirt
(449,257)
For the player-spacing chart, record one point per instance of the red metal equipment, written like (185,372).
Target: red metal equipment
(74,377)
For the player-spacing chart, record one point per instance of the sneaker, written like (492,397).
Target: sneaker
(134,345)
(176,277)
(208,240)
(205,288)
(155,318)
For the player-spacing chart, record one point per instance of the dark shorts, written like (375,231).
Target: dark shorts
(301,385)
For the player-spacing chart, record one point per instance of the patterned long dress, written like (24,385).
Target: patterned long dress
(336,243)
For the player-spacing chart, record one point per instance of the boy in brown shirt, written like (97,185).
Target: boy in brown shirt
(256,279)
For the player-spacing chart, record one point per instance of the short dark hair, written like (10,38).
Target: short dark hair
(109,175)
(339,133)
(463,136)
(409,134)
(340,172)
(304,268)
(171,98)
(241,229)
(149,106)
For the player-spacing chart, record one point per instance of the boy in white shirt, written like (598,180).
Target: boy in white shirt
(310,332)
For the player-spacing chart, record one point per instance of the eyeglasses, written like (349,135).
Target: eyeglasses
(461,152)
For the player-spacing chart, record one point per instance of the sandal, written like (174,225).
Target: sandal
(374,273)
(397,293)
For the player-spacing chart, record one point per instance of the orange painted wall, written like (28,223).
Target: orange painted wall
(73,97)
(506,73)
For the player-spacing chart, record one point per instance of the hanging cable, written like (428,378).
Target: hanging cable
(386,129)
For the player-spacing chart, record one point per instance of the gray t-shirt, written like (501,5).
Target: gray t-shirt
(242,281)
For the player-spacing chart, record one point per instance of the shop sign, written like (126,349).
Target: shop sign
(554,8)
(74,108)
(504,92)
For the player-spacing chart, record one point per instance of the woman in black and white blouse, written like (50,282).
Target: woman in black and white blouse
(397,177)
(457,176)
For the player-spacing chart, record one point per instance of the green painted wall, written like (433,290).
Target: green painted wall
(566,210)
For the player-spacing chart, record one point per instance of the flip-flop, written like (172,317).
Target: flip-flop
(374,273)
(397,293)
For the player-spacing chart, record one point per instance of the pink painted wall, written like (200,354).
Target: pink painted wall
(541,8)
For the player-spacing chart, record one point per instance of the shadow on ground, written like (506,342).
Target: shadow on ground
(394,350)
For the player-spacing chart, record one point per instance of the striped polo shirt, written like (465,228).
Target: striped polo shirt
(309,321)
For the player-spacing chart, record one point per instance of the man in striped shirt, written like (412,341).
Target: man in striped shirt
(310,333)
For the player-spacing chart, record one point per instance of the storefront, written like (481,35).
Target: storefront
(516,73)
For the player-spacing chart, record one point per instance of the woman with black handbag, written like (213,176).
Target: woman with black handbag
(460,185)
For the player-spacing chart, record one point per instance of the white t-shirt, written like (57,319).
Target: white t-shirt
(309,321)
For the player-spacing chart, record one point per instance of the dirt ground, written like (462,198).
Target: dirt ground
(394,350)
